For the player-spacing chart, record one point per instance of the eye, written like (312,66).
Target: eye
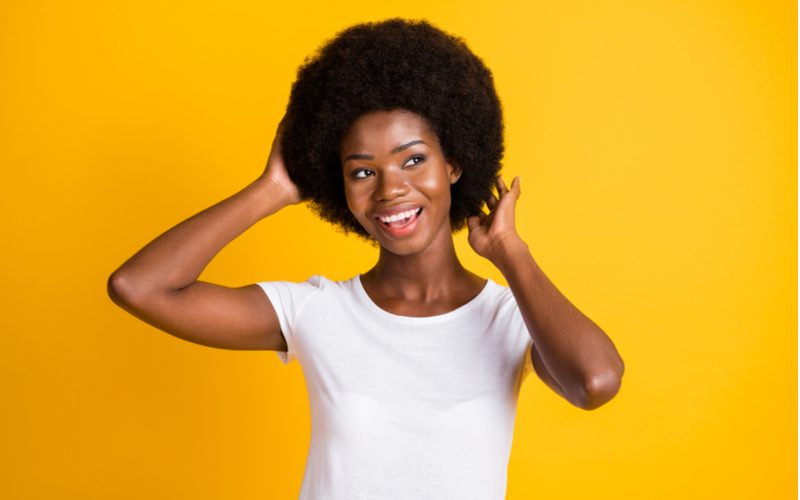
(357,173)
(419,158)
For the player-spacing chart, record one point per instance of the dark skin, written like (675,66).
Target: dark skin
(399,166)
(393,159)
(419,274)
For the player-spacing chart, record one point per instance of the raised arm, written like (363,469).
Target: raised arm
(159,283)
(571,354)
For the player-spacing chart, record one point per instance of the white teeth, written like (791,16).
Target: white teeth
(400,216)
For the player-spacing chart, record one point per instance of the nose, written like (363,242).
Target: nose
(390,185)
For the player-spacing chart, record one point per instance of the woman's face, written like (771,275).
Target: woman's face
(396,180)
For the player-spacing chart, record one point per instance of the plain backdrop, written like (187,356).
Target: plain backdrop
(656,142)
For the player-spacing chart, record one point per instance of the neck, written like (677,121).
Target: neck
(421,276)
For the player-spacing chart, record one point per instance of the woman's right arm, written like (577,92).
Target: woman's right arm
(159,283)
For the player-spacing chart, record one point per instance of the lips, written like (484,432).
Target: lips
(403,227)
(399,217)
(395,210)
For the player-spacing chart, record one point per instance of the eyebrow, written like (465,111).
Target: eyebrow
(395,150)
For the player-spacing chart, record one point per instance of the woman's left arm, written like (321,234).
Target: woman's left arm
(578,355)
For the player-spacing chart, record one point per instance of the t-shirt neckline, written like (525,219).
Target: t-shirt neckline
(438,318)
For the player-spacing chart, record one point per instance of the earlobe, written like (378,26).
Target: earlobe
(455,174)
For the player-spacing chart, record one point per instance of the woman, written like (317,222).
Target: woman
(413,368)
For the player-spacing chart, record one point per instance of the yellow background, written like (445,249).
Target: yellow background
(657,147)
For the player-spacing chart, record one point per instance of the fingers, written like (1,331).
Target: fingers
(473,222)
(515,185)
(502,190)
(501,186)
(491,201)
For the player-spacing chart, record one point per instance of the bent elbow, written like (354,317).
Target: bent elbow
(600,389)
(121,290)
(114,288)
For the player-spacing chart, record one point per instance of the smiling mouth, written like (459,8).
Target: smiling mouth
(401,222)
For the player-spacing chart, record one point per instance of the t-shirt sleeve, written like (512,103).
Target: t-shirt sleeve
(528,367)
(288,298)
(519,325)
(520,337)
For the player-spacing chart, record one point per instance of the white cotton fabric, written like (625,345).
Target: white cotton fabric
(404,407)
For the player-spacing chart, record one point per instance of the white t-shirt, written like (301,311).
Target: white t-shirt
(404,407)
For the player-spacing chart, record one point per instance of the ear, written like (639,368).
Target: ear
(454,172)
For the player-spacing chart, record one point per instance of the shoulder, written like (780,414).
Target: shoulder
(295,293)
(320,286)
(498,300)
(498,293)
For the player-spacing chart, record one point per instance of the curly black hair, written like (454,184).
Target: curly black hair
(392,64)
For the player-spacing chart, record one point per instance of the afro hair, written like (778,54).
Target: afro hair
(392,64)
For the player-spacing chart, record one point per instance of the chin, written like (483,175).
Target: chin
(401,250)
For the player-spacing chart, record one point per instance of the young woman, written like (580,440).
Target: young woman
(413,368)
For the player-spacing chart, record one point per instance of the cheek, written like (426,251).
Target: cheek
(349,197)
(354,203)
(438,186)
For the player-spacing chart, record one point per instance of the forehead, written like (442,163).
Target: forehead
(383,130)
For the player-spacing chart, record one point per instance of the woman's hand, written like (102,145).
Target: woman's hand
(275,172)
(488,233)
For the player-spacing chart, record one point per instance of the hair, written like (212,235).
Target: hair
(382,66)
